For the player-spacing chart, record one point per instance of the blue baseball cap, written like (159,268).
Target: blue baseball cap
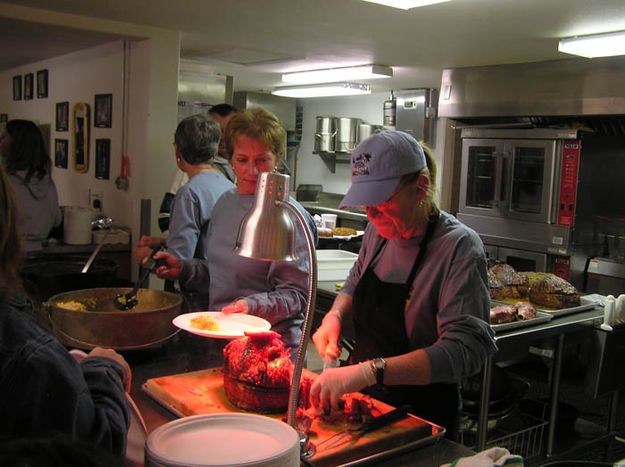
(378,163)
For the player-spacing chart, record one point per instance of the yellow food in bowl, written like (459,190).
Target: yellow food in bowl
(205,323)
(72,305)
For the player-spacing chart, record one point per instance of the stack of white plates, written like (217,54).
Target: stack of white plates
(225,439)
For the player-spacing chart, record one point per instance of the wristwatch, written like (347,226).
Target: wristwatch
(379,365)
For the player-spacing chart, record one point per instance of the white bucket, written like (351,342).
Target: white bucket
(223,439)
(77,225)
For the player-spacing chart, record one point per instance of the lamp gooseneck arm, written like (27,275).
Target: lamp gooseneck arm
(308,316)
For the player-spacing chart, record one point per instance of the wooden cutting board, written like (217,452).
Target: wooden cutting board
(202,392)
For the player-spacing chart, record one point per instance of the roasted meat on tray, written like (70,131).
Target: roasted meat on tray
(505,282)
(519,311)
(554,292)
(257,372)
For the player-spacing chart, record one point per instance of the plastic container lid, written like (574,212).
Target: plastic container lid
(224,439)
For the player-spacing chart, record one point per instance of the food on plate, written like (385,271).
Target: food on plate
(554,292)
(505,282)
(344,231)
(324,232)
(257,372)
(72,305)
(520,311)
(205,323)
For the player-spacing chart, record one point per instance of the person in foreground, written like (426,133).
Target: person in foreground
(417,294)
(27,164)
(44,391)
(273,290)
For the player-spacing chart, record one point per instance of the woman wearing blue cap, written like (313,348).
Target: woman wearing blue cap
(418,293)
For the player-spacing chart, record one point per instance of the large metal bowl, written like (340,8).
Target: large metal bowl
(146,325)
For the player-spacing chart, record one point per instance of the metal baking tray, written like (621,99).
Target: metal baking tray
(565,311)
(551,311)
(541,317)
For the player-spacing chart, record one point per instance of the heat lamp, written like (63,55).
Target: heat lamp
(267,233)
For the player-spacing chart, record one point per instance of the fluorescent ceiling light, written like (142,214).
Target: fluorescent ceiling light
(331,75)
(406,4)
(595,45)
(323,90)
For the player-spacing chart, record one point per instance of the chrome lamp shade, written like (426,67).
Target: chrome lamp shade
(267,233)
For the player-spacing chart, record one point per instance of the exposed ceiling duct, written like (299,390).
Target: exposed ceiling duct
(576,92)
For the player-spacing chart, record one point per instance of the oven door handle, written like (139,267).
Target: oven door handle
(500,158)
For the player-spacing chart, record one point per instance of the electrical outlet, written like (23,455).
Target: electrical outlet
(95,199)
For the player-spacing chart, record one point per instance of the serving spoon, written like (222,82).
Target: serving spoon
(101,223)
(128,301)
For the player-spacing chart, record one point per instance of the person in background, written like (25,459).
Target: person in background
(418,292)
(221,113)
(28,164)
(195,148)
(273,290)
(44,390)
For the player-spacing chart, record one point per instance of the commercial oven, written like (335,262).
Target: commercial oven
(535,195)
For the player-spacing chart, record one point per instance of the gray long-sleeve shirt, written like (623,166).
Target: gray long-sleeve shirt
(449,310)
(38,208)
(191,213)
(274,290)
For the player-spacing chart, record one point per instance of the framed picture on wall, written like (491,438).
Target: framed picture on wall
(102,158)
(42,84)
(103,111)
(17,88)
(28,86)
(60,153)
(62,116)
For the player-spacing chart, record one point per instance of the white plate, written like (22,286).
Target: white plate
(229,326)
(228,439)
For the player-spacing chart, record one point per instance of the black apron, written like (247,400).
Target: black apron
(380,328)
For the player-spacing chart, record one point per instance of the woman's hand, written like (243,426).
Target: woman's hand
(112,355)
(238,306)
(326,338)
(329,386)
(144,247)
(169,266)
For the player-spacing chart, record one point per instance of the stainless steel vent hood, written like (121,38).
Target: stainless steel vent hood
(572,87)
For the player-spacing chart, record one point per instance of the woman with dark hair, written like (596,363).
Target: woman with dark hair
(27,164)
(44,390)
